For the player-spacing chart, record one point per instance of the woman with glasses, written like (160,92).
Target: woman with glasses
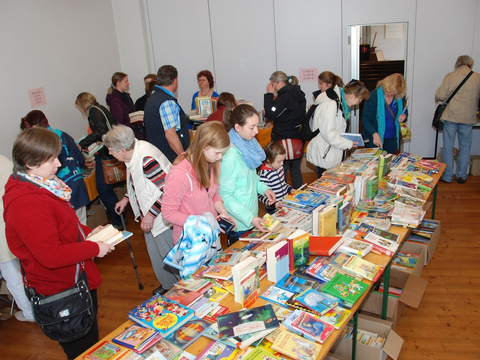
(383,113)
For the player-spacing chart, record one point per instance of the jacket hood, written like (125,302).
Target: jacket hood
(111,96)
(327,95)
(294,91)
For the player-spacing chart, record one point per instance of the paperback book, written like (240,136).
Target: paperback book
(306,197)
(278,261)
(345,288)
(137,338)
(277,295)
(216,350)
(312,327)
(161,314)
(324,245)
(218,272)
(317,301)
(187,333)
(363,268)
(336,316)
(296,346)
(110,235)
(298,248)
(183,296)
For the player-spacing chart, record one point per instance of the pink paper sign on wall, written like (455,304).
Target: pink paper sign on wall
(308,75)
(37,97)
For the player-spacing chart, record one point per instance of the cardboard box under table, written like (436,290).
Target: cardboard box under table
(412,287)
(431,246)
(393,343)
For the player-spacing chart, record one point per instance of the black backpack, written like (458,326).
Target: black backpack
(306,133)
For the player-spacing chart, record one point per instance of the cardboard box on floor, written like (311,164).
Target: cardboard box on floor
(412,287)
(432,244)
(96,215)
(392,346)
(475,165)
(398,276)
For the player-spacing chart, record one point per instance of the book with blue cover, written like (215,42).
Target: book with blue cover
(306,197)
(316,301)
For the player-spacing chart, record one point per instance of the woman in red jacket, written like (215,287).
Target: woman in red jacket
(42,227)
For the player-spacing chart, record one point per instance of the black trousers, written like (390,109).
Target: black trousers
(74,348)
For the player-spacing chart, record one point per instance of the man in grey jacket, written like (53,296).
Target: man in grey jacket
(459,116)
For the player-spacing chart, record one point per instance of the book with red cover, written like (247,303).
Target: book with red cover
(324,245)
(183,296)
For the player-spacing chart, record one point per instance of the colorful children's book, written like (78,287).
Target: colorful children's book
(215,313)
(312,327)
(215,293)
(218,272)
(137,338)
(225,284)
(226,259)
(328,186)
(344,216)
(239,271)
(380,244)
(321,269)
(183,296)
(324,245)
(106,351)
(276,295)
(336,316)
(297,283)
(327,221)
(187,333)
(194,283)
(161,314)
(354,247)
(250,288)
(260,353)
(203,306)
(257,235)
(345,288)
(317,301)
(216,350)
(295,346)
(278,261)
(363,268)
(298,248)
(306,197)
(164,347)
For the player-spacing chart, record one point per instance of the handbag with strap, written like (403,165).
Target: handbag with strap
(294,148)
(114,171)
(68,315)
(437,122)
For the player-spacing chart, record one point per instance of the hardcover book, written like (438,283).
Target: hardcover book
(239,271)
(260,353)
(327,221)
(306,197)
(317,301)
(345,288)
(324,245)
(363,268)
(183,296)
(380,244)
(164,347)
(215,313)
(106,351)
(161,314)
(336,316)
(216,350)
(137,338)
(215,293)
(250,287)
(312,327)
(110,235)
(327,186)
(278,261)
(297,283)
(298,248)
(218,272)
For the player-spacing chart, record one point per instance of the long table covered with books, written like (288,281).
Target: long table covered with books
(248,290)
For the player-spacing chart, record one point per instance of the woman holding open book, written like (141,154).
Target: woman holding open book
(331,117)
(42,228)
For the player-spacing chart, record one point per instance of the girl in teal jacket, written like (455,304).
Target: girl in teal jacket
(239,181)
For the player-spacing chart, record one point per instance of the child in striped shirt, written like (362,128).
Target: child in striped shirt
(271,173)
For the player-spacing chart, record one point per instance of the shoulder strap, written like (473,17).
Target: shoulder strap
(459,86)
(106,118)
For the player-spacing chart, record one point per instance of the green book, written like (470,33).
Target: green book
(345,288)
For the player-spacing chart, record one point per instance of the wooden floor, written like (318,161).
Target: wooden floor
(446,326)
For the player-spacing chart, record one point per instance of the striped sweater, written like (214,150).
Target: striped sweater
(275,179)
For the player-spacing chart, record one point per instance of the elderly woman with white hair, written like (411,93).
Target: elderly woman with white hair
(147,168)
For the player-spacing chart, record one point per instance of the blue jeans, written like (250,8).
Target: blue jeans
(464,134)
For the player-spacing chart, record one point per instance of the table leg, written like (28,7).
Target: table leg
(386,285)
(354,334)
(434,204)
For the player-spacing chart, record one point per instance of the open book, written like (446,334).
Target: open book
(110,235)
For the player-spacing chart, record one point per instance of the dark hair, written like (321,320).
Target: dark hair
(150,86)
(238,115)
(273,149)
(358,89)
(116,77)
(330,78)
(209,77)
(226,99)
(166,75)
(150,76)
(33,147)
(34,118)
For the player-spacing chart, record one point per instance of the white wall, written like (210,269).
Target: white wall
(66,47)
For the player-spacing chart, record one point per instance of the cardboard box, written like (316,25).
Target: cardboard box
(96,215)
(475,165)
(413,289)
(398,276)
(432,244)
(392,347)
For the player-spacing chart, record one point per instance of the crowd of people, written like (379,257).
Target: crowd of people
(222,170)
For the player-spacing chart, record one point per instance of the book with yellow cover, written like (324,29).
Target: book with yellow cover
(327,221)
(295,346)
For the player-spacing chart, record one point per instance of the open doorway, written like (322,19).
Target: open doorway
(377,50)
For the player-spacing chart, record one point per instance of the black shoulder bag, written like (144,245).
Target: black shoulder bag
(68,315)
(437,122)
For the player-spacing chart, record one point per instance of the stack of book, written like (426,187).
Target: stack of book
(423,233)
(309,326)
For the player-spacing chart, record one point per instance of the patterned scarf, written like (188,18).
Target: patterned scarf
(252,153)
(345,108)
(55,186)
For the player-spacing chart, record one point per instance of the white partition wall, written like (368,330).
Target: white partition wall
(180,36)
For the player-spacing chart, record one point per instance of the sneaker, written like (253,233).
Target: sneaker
(20,317)
(462,180)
